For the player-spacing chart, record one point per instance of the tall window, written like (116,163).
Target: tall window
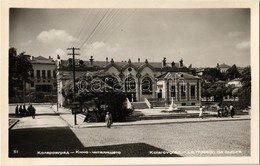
(183,92)
(38,74)
(54,73)
(49,74)
(130,84)
(192,91)
(147,86)
(43,74)
(32,74)
(173,91)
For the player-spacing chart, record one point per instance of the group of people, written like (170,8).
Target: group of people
(222,112)
(22,111)
(226,111)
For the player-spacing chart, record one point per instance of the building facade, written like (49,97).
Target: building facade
(140,80)
(43,80)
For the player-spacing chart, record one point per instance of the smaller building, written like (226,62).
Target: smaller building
(223,67)
(43,80)
(183,88)
(236,83)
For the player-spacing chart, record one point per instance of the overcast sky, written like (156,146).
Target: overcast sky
(202,37)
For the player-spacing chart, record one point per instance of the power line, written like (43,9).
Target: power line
(80,28)
(93,31)
(90,25)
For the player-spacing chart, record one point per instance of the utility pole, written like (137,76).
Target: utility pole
(74,84)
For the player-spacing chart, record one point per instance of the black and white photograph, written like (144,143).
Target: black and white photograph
(131,82)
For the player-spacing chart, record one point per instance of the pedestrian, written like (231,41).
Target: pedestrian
(24,110)
(232,110)
(33,112)
(108,120)
(16,110)
(87,115)
(201,112)
(21,110)
(29,110)
(226,111)
(219,110)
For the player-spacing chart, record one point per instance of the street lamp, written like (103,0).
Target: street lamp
(172,105)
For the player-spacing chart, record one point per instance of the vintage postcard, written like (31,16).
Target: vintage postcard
(129,82)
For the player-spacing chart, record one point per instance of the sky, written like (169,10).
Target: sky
(201,37)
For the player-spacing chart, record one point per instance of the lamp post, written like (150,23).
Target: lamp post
(173,106)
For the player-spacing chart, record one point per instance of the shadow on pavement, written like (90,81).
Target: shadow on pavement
(62,142)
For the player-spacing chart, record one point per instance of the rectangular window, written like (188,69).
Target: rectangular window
(49,74)
(43,74)
(32,74)
(192,91)
(32,84)
(183,92)
(38,74)
(173,92)
(54,74)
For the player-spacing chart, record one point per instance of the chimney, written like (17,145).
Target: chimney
(49,57)
(129,61)
(32,57)
(91,60)
(173,64)
(146,61)
(106,59)
(112,60)
(138,60)
(181,62)
(164,62)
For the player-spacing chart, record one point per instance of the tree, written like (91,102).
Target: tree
(245,92)
(233,73)
(103,89)
(212,75)
(19,68)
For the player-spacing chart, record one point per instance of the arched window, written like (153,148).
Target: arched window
(130,84)
(147,85)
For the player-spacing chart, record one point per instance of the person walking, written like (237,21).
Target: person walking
(16,110)
(232,110)
(87,115)
(108,120)
(219,111)
(33,112)
(201,112)
(226,111)
(21,110)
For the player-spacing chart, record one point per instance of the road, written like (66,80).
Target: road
(223,138)
(49,136)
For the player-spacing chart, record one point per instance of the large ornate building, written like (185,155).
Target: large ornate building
(159,81)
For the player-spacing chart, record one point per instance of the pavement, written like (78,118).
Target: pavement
(66,115)
(137,139)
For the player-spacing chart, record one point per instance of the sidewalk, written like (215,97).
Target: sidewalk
(66,115)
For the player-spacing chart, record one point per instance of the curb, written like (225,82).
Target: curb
(62,118)
(156,123)
(13,124)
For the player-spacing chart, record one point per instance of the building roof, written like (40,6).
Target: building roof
(97,65)
(42,60)
(223,65)
(177,75)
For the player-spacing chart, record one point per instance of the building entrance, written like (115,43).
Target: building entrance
(130,89)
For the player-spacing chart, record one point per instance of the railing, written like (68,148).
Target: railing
(128,104)
(148,103)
